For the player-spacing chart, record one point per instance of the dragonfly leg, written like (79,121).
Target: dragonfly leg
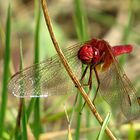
(98,83)
(83,76)
(90,86)
(84,73)
(97,78)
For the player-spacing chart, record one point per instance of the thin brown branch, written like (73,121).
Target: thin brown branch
(70,72)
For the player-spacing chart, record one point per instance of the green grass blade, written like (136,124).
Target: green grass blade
(77,133)
(17,129)
(80,20)
(32,103)
(5,72)
(37,126)
(24,121)
(80,24)
(104,125)
(30,108)
(21,130)
(37,28)
(21,56)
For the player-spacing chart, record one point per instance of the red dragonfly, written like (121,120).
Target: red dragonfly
(98,57)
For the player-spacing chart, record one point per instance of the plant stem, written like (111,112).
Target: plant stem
(6,72)
(70,72)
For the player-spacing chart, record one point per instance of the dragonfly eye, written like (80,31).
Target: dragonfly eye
(85,54)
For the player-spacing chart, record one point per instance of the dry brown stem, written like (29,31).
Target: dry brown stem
(70,72)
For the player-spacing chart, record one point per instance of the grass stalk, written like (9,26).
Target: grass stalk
(24,121)
(22,102)
(78,125)
(105,123)
(80,20)
(37,126)
(80,24)
(5,71)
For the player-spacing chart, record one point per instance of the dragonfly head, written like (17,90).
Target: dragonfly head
(88,54)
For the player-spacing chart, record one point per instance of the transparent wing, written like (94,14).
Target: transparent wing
(46,78)
(118,91)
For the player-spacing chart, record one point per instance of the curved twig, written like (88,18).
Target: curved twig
(70,72)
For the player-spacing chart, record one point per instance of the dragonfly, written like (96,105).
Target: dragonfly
(100,58)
